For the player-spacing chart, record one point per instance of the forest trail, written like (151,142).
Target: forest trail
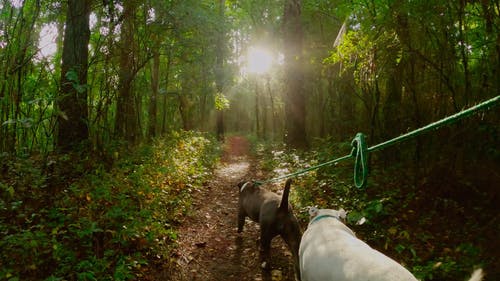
(209,247)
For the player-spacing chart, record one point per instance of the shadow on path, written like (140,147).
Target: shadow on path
(209,248)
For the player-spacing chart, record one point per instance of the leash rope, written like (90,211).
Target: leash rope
(360,150)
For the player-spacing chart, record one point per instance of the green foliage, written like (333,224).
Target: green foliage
(221,102)
(72,76)
(102,225)
(385,214)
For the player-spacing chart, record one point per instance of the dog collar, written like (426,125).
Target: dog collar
(322,217)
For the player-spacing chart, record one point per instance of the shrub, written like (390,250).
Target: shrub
(392,214)
(101,225)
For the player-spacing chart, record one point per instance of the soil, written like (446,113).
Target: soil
(209,247)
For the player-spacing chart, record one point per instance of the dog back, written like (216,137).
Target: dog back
(330,251)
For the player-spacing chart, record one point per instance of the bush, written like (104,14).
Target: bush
(102,225)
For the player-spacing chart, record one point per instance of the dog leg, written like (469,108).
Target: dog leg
(265,247)
(241,220)
(293,245)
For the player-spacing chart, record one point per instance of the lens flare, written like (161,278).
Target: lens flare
(259,60)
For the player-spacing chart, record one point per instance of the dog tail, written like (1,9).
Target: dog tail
(284,199)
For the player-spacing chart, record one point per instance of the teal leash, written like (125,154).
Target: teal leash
(360,151)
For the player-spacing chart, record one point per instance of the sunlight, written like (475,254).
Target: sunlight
(259,60)
(16,3)
(47,42)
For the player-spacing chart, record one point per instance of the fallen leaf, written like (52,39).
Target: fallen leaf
(276,275)
(201,244)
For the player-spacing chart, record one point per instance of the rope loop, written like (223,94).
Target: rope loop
(360,152)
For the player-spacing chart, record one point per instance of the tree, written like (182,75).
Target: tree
(295,111)
(73,117)
(219,70)
(155,82)
(127,123)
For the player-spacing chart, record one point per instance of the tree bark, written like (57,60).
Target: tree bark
(257,109)
(126,125)
(185,110)
(219,79)
(273,111)
(72,102)
(295,110)
(155,77)
(165,96)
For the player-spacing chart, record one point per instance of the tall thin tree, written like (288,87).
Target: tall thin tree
(155,83)
(72,102)
(127,124)
(219,71)
(295,110)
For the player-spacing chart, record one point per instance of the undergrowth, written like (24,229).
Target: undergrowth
(434,237)
(69,217)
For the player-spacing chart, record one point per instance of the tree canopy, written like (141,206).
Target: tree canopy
(153,66)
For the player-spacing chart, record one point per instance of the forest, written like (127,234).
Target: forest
(117,115)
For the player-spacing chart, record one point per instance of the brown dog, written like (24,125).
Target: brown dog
(274,215)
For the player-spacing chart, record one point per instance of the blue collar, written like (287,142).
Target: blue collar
(322,217)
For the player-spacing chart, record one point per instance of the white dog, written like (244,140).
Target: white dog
(329,250)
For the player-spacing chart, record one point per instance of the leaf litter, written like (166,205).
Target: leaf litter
(208,246)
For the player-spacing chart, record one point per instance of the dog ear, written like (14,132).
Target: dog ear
(342,214)
(313,211)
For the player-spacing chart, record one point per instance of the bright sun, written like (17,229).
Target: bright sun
(259,60)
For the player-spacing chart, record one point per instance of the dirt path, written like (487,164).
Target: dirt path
(209,246)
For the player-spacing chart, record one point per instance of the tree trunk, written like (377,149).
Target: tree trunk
(295,110)
(264,116)
(126,125)
(155,77)
(391,110)
(165,96)
(273,110)
(73,118)
(257,110)
(219,79)
(463,50)
(185,110)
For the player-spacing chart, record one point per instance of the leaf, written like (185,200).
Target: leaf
(354,216)
(392,230)
(9,122)
(63,115)
(26,122)
(201,244)
(404,234)
(72,76)
(361,221)
(80,88)
(400,248)
(276,275)
(37,100)
(413,252)
(221,102)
